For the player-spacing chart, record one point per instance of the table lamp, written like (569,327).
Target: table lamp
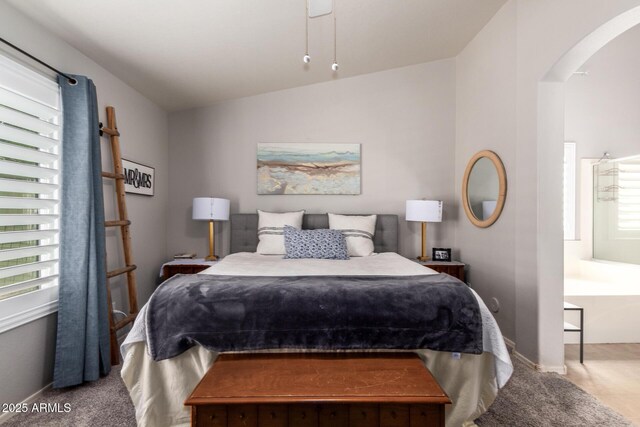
(210,209)
(424,211)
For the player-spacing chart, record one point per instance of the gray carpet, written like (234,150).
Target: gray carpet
(530,399)
(100,403)
(534,399)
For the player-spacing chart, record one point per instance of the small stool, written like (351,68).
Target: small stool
(568,327)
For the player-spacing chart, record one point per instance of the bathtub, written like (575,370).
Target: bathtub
(609,292)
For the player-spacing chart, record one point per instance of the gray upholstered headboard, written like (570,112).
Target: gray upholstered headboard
(244,231)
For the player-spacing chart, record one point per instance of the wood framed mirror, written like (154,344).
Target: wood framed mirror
(484,188)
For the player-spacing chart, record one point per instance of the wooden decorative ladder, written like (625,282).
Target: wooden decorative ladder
(123,222)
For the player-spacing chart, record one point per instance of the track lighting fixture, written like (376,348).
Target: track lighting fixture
(321,7)
(334,66)
(306,58)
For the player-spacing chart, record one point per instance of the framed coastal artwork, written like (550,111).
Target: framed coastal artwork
(308,168)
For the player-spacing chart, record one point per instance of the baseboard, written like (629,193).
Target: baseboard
(562,370)
(511,346)
(528,363)
(4,417)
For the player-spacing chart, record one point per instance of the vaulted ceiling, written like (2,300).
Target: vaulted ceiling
(189,53)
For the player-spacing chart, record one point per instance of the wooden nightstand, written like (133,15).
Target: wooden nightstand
(452,268)
(184,266)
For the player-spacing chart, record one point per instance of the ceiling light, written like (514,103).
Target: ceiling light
(334,66)
(306,58)
(315,8)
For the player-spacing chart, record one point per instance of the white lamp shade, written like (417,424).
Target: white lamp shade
(208,208)
(424,210)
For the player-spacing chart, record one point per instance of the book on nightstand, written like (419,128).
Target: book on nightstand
(184,256)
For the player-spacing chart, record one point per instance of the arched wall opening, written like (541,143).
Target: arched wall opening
(550,130)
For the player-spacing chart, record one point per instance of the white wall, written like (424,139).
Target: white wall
(602,109)
(601,114)
(540,137)
(542,31)
(26,353)
(486,116)
(404,119)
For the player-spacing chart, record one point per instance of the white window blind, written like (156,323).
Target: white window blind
(30,120)
(569,186)
(629,195)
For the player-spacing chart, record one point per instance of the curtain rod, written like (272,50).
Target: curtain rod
(70,79)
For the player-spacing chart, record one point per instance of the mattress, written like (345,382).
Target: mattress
(254,264)
(158,389)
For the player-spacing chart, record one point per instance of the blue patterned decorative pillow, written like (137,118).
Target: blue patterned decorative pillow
(321,243)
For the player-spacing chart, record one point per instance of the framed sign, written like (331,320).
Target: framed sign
(138,178)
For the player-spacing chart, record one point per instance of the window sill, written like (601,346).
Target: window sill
(22,309)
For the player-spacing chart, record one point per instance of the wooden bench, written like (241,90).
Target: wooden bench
(318,390)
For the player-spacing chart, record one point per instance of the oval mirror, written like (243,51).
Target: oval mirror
(484,188)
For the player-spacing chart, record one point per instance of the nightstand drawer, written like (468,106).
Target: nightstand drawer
(184,266)
(456,271)
(453,268)
(172,270)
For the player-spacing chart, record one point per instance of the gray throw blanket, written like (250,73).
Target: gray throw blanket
(241,313)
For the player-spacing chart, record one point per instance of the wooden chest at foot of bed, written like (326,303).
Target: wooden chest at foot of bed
(321,415)
(318,390)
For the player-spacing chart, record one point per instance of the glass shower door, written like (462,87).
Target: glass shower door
(616,210)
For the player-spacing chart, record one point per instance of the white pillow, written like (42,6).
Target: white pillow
(358,231)
(271,230)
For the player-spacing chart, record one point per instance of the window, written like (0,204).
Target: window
(30,118)
(569,185)
(629,196)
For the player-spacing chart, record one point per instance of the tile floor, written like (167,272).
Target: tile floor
(611,372)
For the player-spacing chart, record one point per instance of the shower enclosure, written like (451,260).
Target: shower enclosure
(616,210)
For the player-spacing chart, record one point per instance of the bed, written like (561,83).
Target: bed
(158,388)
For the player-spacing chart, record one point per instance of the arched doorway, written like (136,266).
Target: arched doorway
(549,159)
